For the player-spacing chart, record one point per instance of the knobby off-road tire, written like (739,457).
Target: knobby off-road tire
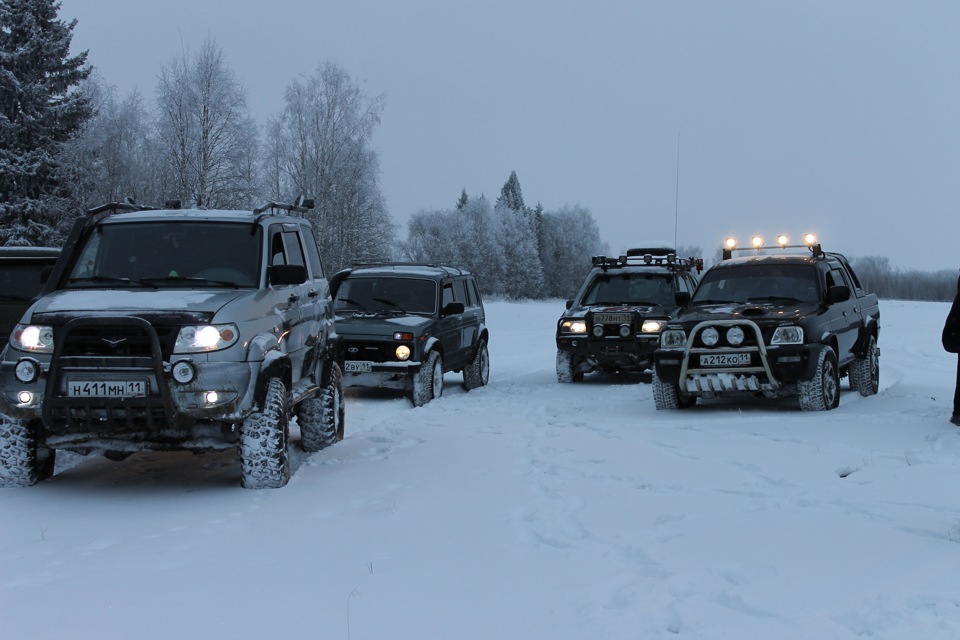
(428,382)
(666,395)
(865,371)
(264,459)
(22,462)
(822,393)
(321,417)
(477,373)
(568,367)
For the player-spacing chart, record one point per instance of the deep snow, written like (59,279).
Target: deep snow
(526,509)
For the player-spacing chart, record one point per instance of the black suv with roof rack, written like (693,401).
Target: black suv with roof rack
(613,323)
(773,325)
(405,324)
(175,329)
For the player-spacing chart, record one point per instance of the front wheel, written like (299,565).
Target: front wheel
(568,367)
(264,458)
(667,395)
(321,417)
(865,371)
(23,463)
(822,392)
(428,382)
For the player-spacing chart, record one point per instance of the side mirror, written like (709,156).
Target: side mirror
(336,280)
(569,303)
(838,293)
(452,309)
(287,274)
(682,298)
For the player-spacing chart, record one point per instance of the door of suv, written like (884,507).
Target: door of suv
(844,316)
(294,304)
(465,290)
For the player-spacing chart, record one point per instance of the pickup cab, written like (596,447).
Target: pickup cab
(774,325)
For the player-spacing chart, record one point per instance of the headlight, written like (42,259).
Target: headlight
(735,336)
(205,337)
(624,331)
(673,338)
(403,352)
(573,326)
(787,335)
(710,336)
(32,337)
(652,326)
(598,330)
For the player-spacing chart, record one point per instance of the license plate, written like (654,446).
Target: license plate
(724,359)
(107,388)
(357,366)
(612,318)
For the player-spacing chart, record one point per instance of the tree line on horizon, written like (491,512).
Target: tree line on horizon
(70,142)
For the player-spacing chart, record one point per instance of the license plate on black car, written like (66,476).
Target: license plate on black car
(724,359)
(357,366)
(107,388)
(612,318)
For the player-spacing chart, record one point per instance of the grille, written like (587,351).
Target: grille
(117,341)
(371,351)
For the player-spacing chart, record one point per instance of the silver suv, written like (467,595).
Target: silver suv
(175,330)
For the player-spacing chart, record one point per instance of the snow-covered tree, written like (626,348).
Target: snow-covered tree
(41,108)
(463,200)
(321,147)
(511,195)
(206,135)
(523,277)
(570,237)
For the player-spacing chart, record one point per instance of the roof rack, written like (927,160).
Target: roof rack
(301,205)
(117,207)
(375,262)
(757,244)
(666,259)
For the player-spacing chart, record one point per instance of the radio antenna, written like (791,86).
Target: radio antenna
(676,200)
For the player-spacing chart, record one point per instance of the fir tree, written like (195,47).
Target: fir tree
(510,195)
(462,202)
(40,109)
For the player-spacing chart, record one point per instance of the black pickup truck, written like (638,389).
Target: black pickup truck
(776,325)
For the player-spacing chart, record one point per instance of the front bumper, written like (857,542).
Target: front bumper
(632,352)
(380,375)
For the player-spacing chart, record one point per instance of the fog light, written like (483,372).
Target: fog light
(710,336)
(624,331)
(183,372)
(25,397)
(598,330)
(403,352)
(212,397)
(27,370)
(735,336)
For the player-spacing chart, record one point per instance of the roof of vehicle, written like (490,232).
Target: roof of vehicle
(29,252)
(211,215)
(776,258)
(405,269)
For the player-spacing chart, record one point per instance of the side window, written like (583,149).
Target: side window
(474,294)
(313,254)
(683,284)
(291,243)
(447,294)
(460,292)
(277,254)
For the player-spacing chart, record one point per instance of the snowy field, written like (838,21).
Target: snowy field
(525,510)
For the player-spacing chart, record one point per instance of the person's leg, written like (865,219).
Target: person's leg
(955,418)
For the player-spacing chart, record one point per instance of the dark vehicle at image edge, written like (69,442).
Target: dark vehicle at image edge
(175,330)
(405,324)
(613,323)
(772,325)
(23,271)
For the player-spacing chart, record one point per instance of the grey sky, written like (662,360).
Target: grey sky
(838,117)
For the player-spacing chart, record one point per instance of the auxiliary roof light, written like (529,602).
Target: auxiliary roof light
(783,240)
(756,241)
(810,239)
(730,243)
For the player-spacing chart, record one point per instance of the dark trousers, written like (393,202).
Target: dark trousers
(956,392)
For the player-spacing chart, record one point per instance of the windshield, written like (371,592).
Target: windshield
(630,288)
(386,295)
(169,254)
(759,282)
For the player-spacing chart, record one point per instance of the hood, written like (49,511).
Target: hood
(370,324)
(762,313)
(643,309)
(202,304)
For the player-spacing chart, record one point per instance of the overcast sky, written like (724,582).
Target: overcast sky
(838,117)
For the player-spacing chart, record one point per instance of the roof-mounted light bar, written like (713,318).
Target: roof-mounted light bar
(783,242)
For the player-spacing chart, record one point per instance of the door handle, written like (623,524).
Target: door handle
(313,294)
(293,298)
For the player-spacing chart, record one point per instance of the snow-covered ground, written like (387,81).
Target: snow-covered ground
(525,510)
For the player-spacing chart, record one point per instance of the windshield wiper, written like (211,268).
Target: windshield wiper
(391,303)
(772,298)
(110,280)
(353,302)
(696,301)
(182,280)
